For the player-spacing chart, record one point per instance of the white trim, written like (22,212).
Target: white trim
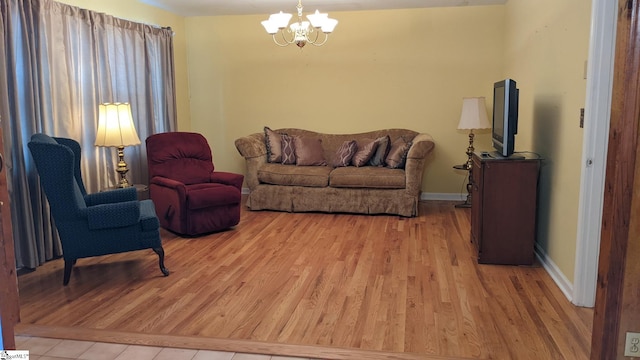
(554,271)
(594,150)
(442,196)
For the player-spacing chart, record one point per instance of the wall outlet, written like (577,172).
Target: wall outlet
(632,345)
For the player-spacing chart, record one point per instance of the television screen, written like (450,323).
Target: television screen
(505,116)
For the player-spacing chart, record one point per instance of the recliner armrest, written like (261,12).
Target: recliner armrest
(108,216)
(179,187)
(166,182)
(111,196)
(228,178)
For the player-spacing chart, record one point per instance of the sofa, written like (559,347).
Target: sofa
(328,174)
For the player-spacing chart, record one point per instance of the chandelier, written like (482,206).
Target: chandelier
(300,32)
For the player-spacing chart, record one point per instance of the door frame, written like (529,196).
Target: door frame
(9,301)
(594,149)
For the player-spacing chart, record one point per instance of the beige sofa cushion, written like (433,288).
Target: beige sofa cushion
(278,174)
(371,177)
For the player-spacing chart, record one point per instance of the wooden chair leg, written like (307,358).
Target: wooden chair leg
(68,265)
(160,252)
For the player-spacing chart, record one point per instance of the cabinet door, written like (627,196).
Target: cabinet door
(509,211)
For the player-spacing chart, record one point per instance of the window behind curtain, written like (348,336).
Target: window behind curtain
(59,63)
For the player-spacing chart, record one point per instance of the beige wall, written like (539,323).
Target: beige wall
(546,49)
(136,11)
(380,69)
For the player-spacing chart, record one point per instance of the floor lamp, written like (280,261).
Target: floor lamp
(474,116)
(115,129)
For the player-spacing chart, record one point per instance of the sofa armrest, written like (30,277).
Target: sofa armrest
(254,151)
(422,146)
(252,146)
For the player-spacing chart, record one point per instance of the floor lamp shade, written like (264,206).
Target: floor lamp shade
(115,128)
(474,114)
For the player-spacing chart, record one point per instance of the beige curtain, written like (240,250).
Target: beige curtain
(58,63)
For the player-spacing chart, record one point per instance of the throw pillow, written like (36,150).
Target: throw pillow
(273,142)
(366,148)
(345,153)
(381,152)
(309,151)
(288,150)
(398,153)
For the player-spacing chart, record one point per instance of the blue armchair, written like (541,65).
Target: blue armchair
(91,224)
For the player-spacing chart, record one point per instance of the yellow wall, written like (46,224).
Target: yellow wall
(136,11)
(380,69)
(546,49)
(395,68)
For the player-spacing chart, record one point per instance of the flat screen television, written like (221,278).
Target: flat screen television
(505,116)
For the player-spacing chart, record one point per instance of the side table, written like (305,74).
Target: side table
(467,202)
(141,189)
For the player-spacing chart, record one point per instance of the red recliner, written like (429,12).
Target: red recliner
(190,197)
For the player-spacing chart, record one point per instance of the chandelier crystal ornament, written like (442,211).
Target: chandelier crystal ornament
(300,32)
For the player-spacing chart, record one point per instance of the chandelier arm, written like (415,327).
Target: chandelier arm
(309,40)
(285,41)
(279,44)
(315,43)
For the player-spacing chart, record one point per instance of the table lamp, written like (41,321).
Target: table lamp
(474,116)
(115,129)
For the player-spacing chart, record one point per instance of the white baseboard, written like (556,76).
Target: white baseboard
(443,196)
(554,271)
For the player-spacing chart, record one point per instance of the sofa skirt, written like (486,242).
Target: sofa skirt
(333,200)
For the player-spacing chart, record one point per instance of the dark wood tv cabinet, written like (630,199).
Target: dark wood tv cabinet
(504,205)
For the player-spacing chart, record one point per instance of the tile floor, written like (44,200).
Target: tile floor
(56,349)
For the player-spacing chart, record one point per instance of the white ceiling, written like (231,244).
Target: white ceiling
(243,7)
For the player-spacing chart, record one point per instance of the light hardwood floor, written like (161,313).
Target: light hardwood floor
(335,286)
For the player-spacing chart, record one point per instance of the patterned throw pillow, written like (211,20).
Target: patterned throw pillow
(273,142)
(288,150)
(309,151)
(345,153)
(366,148)
(381,152)
(398,154)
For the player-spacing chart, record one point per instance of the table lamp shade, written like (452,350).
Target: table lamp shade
(115,125)
(474,114)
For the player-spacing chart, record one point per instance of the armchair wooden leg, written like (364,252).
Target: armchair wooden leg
(160,252)
(68,265)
